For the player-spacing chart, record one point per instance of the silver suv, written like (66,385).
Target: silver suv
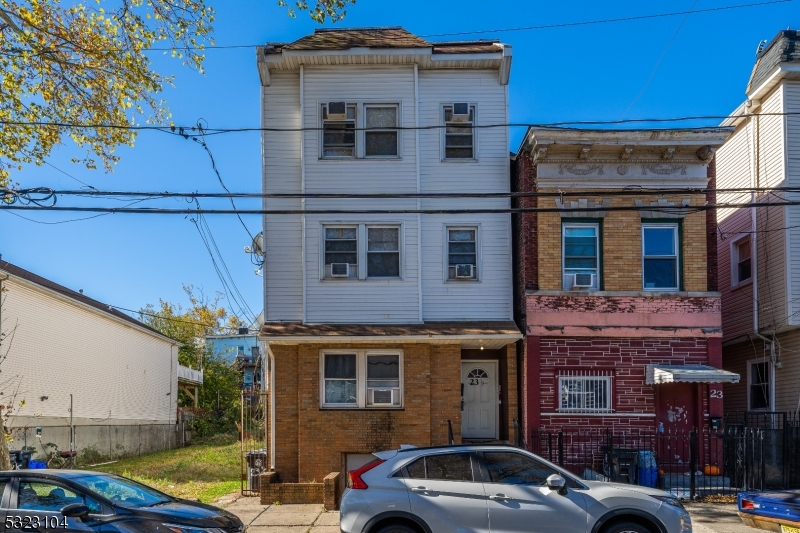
(495,489)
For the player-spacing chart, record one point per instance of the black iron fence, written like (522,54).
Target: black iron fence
(688,464)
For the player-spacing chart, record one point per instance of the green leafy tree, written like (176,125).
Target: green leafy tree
(86,63)
(219,394)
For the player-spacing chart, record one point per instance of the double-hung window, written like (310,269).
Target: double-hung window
(459,135)
(380,132)
(341,252)
(759,380)
(584,394)
(339,130)
(361,379)
(660,246)
(462,253)
(361,251)
(741,261)
(581,256)
(383,252)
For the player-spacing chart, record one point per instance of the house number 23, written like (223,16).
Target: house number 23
(475,381)
(716,393)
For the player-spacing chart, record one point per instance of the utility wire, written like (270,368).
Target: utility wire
(626,191)
(605,21)
(176,130)
(660,58)
(511,210)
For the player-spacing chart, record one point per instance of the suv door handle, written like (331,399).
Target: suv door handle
(499,497)
(420,489)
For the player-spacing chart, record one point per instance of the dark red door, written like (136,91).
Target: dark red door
(676,415)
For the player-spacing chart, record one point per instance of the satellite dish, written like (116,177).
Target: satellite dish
(258,244)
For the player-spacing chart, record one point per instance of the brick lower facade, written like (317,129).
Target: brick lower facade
(311,441)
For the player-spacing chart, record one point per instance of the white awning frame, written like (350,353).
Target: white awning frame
(659,374)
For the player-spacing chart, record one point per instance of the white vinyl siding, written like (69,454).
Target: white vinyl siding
(115,372)
(792,123)
(283,267)
(491,298)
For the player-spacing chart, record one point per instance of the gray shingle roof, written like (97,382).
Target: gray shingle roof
(784,48)
(14,270)
(388,37)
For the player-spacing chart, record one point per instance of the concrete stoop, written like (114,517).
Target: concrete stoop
(327,493)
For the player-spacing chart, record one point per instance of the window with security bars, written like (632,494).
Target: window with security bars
(584,394)
(339,135)
(459,135)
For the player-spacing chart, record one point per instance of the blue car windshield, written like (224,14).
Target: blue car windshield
(122,491)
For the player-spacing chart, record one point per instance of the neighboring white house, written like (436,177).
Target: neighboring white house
(63,348)
(759,248)
(376,320)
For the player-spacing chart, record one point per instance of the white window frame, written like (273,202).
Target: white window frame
(676,232)
(446,259)
(363,132)
(361,378)
(579,410)
(359,153)
(324,269)
(443,138)
(735,243)
(770,383)
(362,250)
(598,269)
(322,107)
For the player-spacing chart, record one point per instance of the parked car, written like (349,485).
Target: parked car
(777,510)
(82,501)
(496,489)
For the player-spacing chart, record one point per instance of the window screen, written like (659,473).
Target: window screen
(380,137)
(383,252)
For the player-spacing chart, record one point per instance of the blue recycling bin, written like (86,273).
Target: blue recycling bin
(646,469)
(20,458)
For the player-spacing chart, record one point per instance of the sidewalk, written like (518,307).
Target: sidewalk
(706,518)
(284,518)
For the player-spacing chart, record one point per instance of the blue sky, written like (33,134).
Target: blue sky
(580,73)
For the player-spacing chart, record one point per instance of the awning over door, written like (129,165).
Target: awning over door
(657,374)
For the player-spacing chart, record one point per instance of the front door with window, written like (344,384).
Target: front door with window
(479,416)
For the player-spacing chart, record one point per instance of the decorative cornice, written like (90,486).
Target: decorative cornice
(671,210)
(626,152)
(583,204)
(706,153)
(668,152)
(580,170)
(663,169)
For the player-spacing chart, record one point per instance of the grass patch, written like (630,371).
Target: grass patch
(203,471)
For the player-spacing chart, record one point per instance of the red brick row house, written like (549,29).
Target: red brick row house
(619,305)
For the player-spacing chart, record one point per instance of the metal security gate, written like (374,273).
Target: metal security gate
(253,437)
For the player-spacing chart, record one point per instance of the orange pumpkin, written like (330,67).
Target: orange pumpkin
(711,470)
(661,473)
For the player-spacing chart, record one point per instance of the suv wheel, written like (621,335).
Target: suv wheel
(397,528)
(626,527)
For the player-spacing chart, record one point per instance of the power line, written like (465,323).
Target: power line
(511,210)
(605,21)
(476,32)
(660,58)
(185,131)
(626,191)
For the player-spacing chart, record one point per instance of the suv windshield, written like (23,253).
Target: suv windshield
(122,491)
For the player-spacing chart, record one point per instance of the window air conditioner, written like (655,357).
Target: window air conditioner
(583,281)
(337,111)
(383,396)
(340,270)
(465,271)
(461,112)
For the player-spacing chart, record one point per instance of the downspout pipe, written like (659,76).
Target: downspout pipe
(271,371)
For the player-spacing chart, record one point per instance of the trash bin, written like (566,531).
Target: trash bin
(256,465)
(20,458)
(646,469)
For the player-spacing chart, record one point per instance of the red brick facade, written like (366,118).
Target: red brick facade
(619,330)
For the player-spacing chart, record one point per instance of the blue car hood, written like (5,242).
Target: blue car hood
(775,504)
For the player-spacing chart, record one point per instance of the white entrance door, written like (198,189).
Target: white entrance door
(481,400)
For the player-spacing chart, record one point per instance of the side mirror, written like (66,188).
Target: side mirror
(557,483)
(76,510)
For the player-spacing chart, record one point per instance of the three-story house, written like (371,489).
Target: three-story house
(385,323)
